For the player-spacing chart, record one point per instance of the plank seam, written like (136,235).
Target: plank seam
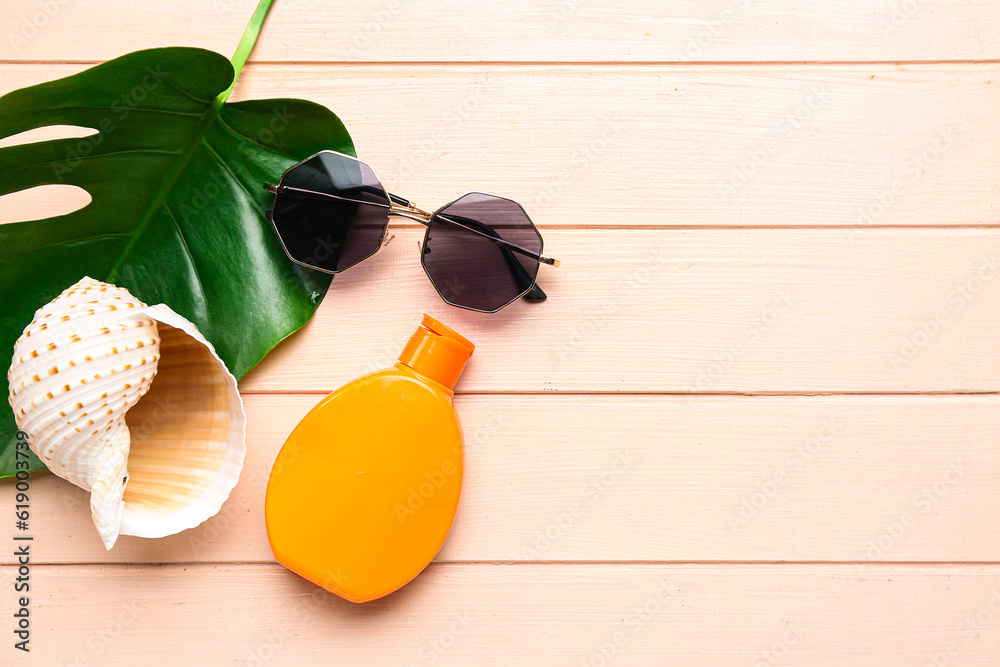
(566,63)
(612,392)
(557,563)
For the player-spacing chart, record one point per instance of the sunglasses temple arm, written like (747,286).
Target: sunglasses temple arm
(493,237)
(312,194)
(535,293)
(396,199)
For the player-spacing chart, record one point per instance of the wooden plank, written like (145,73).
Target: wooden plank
(717,176)
(641,478)
(519,30)
(704,311)
(819,615)
(687,311)
(730,146)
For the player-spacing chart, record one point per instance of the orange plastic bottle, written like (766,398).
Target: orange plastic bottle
(365,489)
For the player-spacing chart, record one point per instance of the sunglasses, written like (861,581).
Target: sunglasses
(481,252)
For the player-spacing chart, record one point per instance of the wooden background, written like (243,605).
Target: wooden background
(756,422)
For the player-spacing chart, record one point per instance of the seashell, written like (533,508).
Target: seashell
(131,403)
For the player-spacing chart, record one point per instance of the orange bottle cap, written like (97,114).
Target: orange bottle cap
(437,352)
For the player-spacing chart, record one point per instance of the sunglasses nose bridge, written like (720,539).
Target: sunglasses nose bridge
(425,220)
(408,210)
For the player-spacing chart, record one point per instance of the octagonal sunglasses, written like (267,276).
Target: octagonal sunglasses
(480,251)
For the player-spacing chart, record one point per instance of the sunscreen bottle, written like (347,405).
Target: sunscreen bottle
(364,491)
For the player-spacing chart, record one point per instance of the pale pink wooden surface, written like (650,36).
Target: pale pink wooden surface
(712,174)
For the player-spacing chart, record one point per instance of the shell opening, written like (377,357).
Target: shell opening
(181,470)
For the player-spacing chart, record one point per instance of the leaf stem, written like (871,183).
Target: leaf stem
(246,45)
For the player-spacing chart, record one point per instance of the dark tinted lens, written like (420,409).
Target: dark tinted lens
(325,232)
(464,260)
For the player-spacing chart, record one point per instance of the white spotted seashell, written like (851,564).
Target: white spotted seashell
(131,403)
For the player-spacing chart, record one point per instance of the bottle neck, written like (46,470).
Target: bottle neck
(437,352)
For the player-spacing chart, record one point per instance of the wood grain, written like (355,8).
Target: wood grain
(687,311)
(866,479)
(818,615)
(519,30)
(661,146)
(755,422)
(704,311)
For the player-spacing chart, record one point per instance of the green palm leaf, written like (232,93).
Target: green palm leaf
(178,211)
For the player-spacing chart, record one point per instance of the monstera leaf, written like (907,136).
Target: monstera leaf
(178,210)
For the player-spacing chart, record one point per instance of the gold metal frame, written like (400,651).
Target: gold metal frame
(403,208)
